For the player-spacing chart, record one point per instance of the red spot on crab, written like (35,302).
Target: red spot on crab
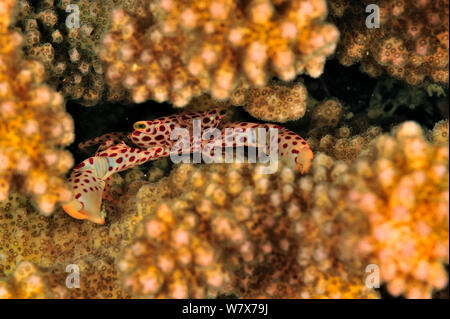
(119,160)
(80,165)
(77,196)
(91,161)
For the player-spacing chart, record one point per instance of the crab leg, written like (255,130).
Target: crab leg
(106,191)
(88,178)
(292,149)
(105,141)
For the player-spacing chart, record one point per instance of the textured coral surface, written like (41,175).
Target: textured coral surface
(213,46)
(34,126)
(67,52)
(411,43)
(371,103)
(210,230)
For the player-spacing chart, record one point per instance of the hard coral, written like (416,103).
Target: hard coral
(327,113)
(274,102)
(57,241)
(213,46)
(337,132)
(400,187)
(288,236)
(227,229)
(342,145)
(411,43)
(173,261)
(28,282)
(67,50)
(440,132)
(230,233)
(33,125)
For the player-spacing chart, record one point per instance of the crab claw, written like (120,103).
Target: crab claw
(304,160)
(294,150)
(88,186)
(88,179)
(87,205)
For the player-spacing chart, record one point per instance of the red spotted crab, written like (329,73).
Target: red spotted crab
(152,140)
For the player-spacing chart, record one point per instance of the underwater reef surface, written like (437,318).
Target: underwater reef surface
(371,104)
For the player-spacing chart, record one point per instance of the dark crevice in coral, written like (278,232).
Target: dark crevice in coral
(91,122)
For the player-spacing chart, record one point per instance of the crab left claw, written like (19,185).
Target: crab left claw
(88,179)
(87,205)
(88,186)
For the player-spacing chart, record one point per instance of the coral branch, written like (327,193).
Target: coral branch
(34,126)
(213,46)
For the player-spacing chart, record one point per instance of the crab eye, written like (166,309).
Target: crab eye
(140,126)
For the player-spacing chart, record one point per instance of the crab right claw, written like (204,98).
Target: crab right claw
(88,186)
